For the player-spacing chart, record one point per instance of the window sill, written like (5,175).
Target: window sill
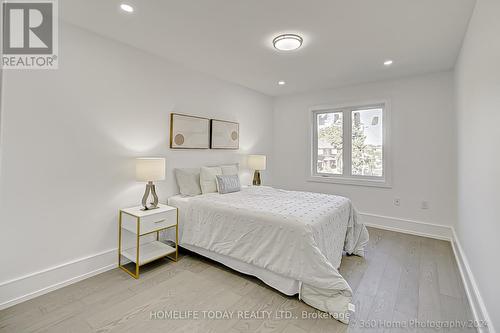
(350,181)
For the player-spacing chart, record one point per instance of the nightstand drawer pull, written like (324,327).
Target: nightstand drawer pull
(160,221)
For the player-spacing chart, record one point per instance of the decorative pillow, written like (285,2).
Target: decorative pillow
(228,183)
(188,181)
(207,179)
(230,169)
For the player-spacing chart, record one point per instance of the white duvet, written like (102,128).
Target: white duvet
(300,235)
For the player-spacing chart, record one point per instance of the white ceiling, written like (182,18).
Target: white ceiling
(345,41)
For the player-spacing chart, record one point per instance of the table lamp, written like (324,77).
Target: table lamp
(148,170)
(257,163)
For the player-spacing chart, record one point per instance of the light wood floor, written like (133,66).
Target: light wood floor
(402,278)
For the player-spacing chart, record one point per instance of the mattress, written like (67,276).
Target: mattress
(291,240)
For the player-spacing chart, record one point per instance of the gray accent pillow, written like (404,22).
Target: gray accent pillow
(188,181)
(228,183)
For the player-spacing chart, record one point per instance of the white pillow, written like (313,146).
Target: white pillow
(188,181)
(207,179)
(230,169)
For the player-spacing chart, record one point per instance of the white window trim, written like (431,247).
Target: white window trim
(385,181)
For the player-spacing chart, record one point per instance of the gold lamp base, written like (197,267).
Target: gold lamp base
(256,178)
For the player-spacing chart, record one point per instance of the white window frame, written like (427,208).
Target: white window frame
(346,177)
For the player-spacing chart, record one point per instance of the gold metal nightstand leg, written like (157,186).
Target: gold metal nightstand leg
(129,272)
(120,239)
(177,237)
(137,249)
(169,256)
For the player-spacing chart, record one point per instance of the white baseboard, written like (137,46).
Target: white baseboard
(405,226)
(476,302)
(38,283)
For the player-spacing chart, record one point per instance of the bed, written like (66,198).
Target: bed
(292,241)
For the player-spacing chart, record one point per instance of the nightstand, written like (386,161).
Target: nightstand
(147,222)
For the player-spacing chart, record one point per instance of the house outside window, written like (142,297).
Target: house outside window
(350,144)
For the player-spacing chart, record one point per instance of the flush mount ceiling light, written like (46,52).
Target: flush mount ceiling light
(388,62)
(287,42)
(127,8)
(281,83)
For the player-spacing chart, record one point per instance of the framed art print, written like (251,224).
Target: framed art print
(189,132)
(225,135)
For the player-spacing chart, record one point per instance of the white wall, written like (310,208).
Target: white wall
(478,106)
(423,148)
(69,138)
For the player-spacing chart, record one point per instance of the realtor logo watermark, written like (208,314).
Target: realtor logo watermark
(29,34)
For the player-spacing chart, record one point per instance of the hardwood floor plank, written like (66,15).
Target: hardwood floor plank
(408,288)
(448,275)
(384,301)
(291,328)
(373,275)
(269,302)
(429,305)
(70,325)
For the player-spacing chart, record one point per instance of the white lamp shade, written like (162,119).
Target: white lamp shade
(149,169)
(257,162)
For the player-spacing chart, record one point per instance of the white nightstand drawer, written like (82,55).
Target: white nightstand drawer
(158,221)
(150,220)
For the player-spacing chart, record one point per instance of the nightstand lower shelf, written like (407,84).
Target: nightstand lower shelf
(148,252)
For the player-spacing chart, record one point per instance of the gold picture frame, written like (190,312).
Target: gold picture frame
(224,134)
(189,132)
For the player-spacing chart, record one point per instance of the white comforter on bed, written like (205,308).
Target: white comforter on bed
(300,235)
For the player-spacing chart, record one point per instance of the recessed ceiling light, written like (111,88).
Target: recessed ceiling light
(388,62)
(287,42)
(281,83)
(127,8)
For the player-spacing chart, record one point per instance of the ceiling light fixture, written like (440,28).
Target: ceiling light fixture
(388,62)
(281,83)
(127,8)
(287,42)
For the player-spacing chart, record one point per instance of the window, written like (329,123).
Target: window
(350,145)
